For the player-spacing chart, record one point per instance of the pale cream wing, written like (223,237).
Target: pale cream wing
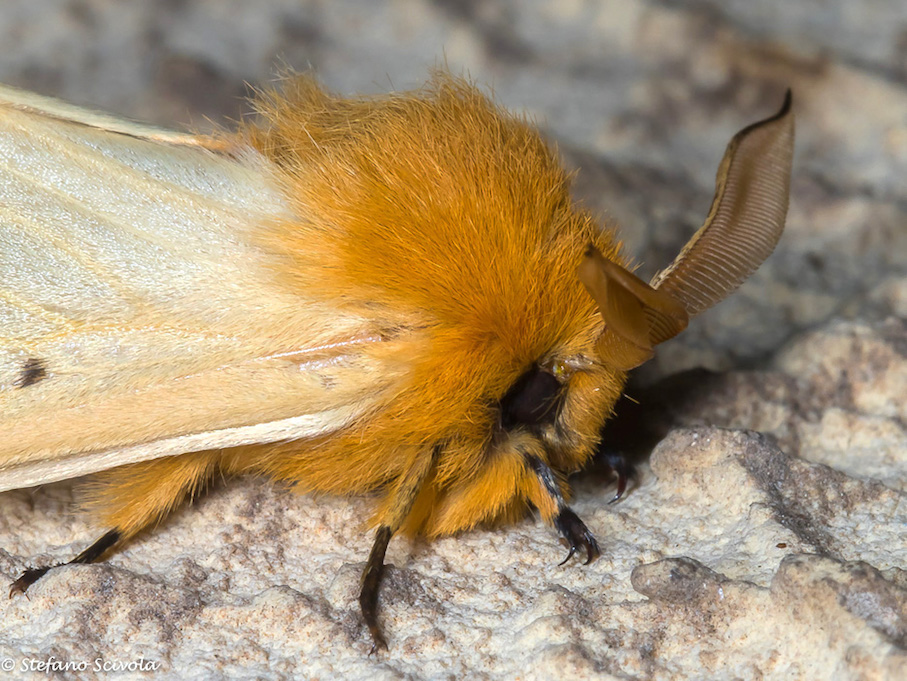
(138,316)
(23,100)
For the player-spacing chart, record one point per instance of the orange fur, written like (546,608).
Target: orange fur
(133,497)
(449,224)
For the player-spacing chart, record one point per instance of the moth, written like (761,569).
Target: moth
(387,295)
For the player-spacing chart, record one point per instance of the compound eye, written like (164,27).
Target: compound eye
(534,399)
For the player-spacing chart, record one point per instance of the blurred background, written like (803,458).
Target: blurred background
(641,95)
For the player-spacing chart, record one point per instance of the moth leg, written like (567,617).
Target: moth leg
(577,534)
(568,524)
(130,498)
(90,555)
(620,465)
(371,581)
(401,501)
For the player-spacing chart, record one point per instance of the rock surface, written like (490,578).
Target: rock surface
(764,537)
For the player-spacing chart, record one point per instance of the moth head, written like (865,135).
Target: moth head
(562,399)
(743,225)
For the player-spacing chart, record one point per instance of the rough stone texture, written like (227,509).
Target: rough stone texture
(737,554)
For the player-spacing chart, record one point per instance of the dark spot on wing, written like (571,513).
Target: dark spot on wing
(32,371)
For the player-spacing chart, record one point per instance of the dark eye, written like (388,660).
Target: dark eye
(533,399)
